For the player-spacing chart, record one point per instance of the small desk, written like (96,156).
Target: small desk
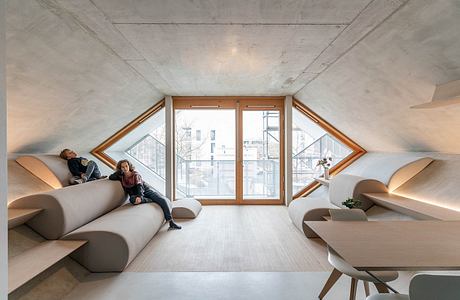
(393,245)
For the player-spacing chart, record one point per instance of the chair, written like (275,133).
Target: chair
(427,287)
(342,267)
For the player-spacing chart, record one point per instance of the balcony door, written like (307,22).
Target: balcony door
(229,150)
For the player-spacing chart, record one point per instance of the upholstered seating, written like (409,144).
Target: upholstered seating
(116,238)
(371,174)
(342,267)
(187,208)
(51,169)
(67,209)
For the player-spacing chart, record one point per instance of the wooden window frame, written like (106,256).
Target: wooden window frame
(227,102)
(357,150)
(99,151)
(233,102)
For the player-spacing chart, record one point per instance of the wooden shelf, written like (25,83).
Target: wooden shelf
(18,216)
(323,181)
(27,265)
(414,208)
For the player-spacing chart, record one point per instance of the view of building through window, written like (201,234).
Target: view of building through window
(205,146)
(311,143)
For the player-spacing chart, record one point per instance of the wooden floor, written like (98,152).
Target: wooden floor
(233,239)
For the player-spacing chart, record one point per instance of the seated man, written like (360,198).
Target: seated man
(82,169)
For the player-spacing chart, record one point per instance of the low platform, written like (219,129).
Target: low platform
(18,216)
(187,208)
(27,265)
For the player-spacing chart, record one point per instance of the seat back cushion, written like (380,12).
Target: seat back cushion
(68,208)
(51,169)
(344,186)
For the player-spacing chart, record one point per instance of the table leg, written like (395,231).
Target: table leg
(380,281)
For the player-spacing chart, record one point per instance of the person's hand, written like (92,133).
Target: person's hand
(138,200)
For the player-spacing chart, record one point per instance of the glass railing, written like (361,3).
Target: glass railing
(216,178)
(304,163)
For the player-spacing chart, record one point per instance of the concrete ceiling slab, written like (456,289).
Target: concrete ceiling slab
(234,11)
(229,60)
(65,87)
(367,93)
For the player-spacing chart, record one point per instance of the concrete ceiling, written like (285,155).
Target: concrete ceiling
(78,70)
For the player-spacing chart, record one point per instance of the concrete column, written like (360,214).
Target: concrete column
(288,149)
(169,128)
(3,162)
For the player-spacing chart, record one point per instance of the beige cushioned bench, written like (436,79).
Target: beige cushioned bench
(116,238)
(68,208)
(372,174)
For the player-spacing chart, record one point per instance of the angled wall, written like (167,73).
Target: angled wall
(3,161)
(367,92)
(66,87)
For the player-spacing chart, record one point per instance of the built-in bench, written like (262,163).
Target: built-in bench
(376,175)
(19,216)
(414,208)
(91,222)
(27,265)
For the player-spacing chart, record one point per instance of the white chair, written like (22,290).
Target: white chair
(342,267)
(427,287)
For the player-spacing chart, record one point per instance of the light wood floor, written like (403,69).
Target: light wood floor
(233,239)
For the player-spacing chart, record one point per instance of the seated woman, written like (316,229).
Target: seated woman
(139,191)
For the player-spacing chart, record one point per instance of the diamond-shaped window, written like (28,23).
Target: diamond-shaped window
(143,142)
(313,139)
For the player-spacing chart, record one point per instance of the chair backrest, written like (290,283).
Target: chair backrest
(347,215)
(434,287)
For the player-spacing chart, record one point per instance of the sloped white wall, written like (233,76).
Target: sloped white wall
(66,88)
(368,91)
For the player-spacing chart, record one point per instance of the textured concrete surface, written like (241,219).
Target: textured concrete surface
(368,91)
(79,70)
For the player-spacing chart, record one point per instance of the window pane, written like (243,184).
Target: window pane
(205,166)
(261,151)
(145,148)
(311,143)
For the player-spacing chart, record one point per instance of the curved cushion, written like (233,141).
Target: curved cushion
(68,208)
(117,237)
(393,170)
(337,262)
(51,169)
(308,209)
(388,297)
(188,208)
(344,186)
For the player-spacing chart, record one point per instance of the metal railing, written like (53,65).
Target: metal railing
(216,178)
(304,163)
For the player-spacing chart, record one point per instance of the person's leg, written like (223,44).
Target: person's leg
(153,196)
(89,170)
(75,180)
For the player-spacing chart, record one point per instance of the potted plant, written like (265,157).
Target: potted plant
(326,164)
(352,203)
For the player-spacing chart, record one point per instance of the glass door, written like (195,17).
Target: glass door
(261,144)
(229,150)
(205,150)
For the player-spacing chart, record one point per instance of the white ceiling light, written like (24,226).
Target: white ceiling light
(444,95)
